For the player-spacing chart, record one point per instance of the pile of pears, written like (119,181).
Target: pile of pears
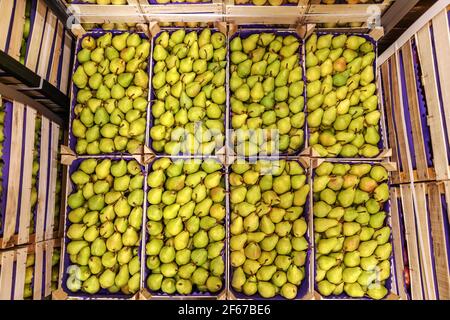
(112,81)
(188,84)
(343,116)
(267,101)
(353,248)
(268,231)
(186,227)
(106,215)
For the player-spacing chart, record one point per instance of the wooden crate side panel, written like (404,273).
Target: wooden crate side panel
(424,45)
(411,240)
(53,79)
(424,240)
(43,176)
(440,239)
(25,203)
(52,182)
(12,202)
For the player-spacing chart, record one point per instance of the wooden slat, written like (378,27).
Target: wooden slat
(6,8)
(36,34)
(399,116)
(53,79)
(39,270)
(413,104)
(411,241)
(25,203)
(423,237)
(49,249)
(43,174)
(52,185)
(442,48)
(47,43)
(15,42)
(19,281)
(392,133)
(6,274)
(429,80)
(67,53)
(12,202)
(398,246)
(439,237)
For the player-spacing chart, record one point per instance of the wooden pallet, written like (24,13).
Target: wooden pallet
(13,266)
(418,122)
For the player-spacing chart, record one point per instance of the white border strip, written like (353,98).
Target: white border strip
(408,34)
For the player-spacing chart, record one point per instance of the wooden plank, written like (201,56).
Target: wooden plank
(411,241)
(399,116)
(39,270)
(442,48)
(52,184)
(36,34)
(67,53)
(423,39)
(49,249)
(6,8)
(54,70)
(423,237)
(439,237)
(392,133)
(413,105)
(6,274)
(398,246)
(43,174)
(46,47)
(15,41)
(25,203)
(12,202)
(19,281)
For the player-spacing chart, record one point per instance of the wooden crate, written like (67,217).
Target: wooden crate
(17,216)
(13,264)
(414,72)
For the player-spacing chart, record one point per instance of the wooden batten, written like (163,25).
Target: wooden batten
(38,270)
(36,34)
(397,245)
(6,274)
(16,33)
(441,33)
(14,181)
(50,219)
(41,208)
(47,44)
(6,8)
(66,61)
(409,221)
(435,122)
(25,204)
(439,237)
(19,280)
(424,241)
(54,62)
